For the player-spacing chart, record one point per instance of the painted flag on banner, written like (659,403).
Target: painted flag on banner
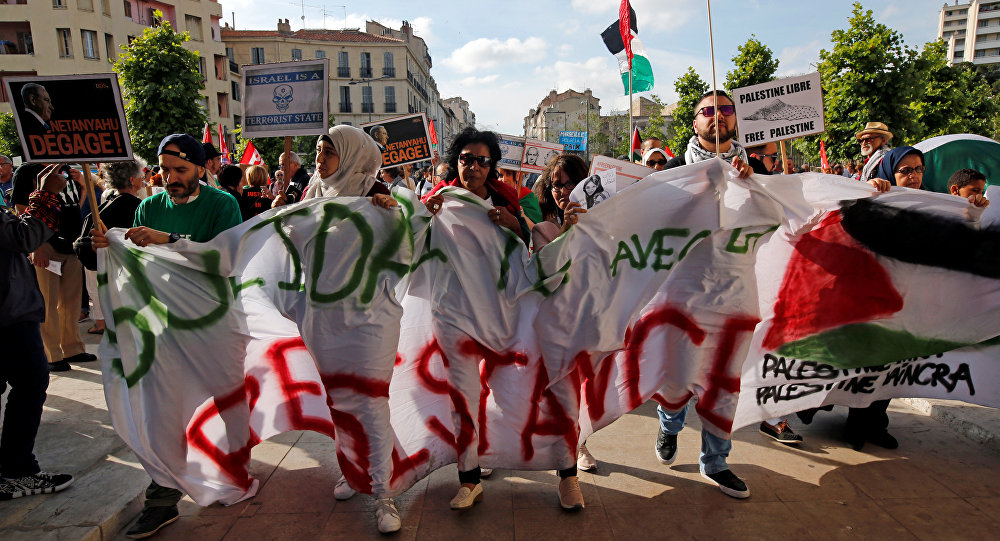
(434,135)
(223,148)
(822,156)
(251,156)
(628,50)
(206,136)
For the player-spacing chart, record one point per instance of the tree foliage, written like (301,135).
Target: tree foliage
(10,145)
(161,86)
(689,87)
(753,64)
(955,99)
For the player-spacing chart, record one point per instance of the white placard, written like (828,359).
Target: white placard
(286,98)
(596,188)
(779,110)
(511,152)
(627,173)
(538,153)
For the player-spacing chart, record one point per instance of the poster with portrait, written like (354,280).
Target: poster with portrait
(511,152)
(286,98)
(595,189)
(70,118)
(778,110)
(628,173)
(537,153)
(403,139)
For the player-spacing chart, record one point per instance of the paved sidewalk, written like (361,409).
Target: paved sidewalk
(937,485)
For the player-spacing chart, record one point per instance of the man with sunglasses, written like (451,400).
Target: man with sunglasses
(767,156)
(708,121)
(874,141)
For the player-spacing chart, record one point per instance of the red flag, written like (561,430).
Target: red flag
(625,28)
(636,141)
(222,147)
(669,152)
(434,135)
(251,156)
(206,137)
(822,156)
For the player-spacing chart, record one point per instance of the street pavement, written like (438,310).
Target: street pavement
(942,483)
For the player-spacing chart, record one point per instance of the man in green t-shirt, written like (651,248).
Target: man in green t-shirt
(187,209)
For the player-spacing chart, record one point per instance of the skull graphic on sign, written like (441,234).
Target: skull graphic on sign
(282,97)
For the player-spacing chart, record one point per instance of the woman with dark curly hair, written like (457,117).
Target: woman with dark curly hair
(561,175)
(473,156)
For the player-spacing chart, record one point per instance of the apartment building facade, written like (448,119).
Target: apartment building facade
(972,31)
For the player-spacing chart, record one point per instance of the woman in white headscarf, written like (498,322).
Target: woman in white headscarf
(346,163)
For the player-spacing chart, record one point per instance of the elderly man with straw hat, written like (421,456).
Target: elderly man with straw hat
(874,141)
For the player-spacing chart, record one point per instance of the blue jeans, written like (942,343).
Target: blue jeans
(25,369)
(714,449)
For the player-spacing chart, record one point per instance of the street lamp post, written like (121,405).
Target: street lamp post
(369,83)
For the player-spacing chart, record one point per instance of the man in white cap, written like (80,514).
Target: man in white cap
(874,141)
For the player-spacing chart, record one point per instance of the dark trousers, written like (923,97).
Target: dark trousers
(870,420)
(24,368)
(158,496)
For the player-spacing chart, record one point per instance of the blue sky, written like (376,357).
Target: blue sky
(504,57)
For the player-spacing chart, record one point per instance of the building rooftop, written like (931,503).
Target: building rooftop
(353,36)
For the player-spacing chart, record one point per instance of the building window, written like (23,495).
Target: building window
(193,25)
(257,55)
(980,54)
(237,121)
(65,43)
(390,99)
(221,69)
(85,5)
(109,47)
(128,8)
(296,54)
(223,100)
(388,69)
(366,65)
(59,4)
(25,43)
(201,68)
(367,105)
(343,67)
(345,99)
(320,54)
(235,90)
(106,7)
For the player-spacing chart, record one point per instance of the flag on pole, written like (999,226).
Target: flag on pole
(206,136)
(222,147)
(824,163)
(434,135)
(622,39)
(251,156)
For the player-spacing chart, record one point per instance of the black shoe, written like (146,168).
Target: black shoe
(30,485)
(782,433)
(151,520)
(884,439)
(59,366)
(729,484)
(666,447)
(855,439)
(81,358)
(806,416)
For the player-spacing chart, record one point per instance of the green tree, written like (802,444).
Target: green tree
(753,64)
(162,87)
(868,76)
(656,121)
(689,88)
(10,144)
(955,99)
(270,148)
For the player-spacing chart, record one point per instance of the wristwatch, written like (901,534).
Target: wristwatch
(174,237)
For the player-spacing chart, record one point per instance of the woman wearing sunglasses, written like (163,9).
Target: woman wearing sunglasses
(655,158)
(561,175)
(903,166)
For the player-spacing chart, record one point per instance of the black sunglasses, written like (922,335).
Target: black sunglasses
(654,163)
(468,159)
(726,110)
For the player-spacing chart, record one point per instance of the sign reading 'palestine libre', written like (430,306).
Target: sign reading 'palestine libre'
(285,99)
(70,118)
(779,110)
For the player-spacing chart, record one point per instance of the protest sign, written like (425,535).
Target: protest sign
(511,152)
(573,140)
(538,153)
(595,188)
(70,118)
(405,139)
(779,110)
(286,98)
(627,173)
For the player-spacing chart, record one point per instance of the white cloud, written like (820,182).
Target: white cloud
(799,59)
(475,81)
(595,6)
(486,53)
(565,50)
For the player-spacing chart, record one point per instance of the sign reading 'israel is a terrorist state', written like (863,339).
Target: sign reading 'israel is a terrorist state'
(287,98)
(779,110)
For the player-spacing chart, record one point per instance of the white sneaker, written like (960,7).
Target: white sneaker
(485,472)
(584,460)
(343,491)
(387,515)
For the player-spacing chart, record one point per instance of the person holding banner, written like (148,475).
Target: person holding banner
(715,116)
(558,180)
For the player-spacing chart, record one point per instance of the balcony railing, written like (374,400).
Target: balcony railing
(345,107)
(367,107)
(390,107)
(234,67)
(388,72)
(366,73)
(343,71)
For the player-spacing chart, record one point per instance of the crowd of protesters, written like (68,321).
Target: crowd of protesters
(48,225)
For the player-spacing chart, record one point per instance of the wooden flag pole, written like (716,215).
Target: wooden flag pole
(715,87)
(784,160)
(631,151)
(92,197)
(288,160)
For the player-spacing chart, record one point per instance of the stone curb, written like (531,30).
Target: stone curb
(977,423)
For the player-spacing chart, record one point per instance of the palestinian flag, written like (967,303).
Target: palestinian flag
(945,154)
(874,281)
(622,39)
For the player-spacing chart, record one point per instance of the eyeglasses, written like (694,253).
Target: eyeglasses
(654,163)
(725,110)
(772,156)
(558,186)
(867,138)
(906,171)
(469,159)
